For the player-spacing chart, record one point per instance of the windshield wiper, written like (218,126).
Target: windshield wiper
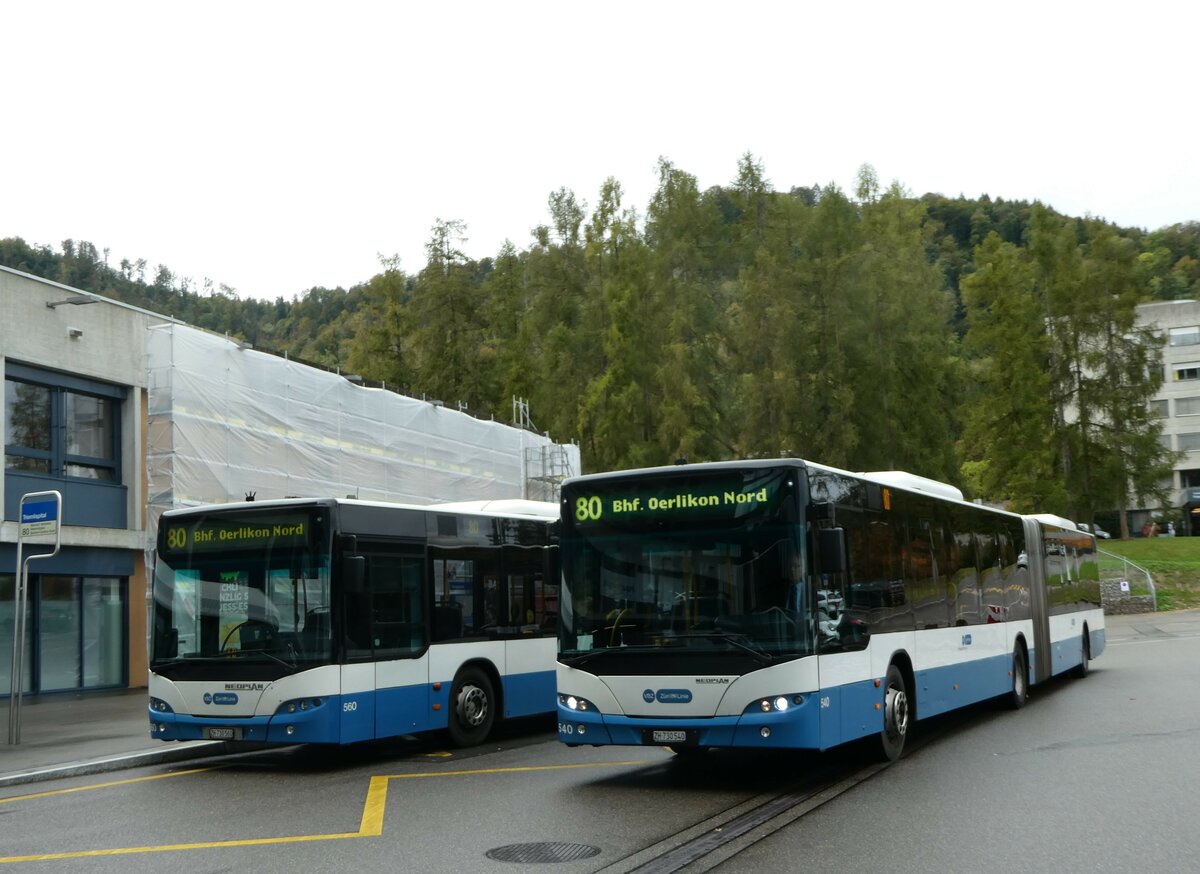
(186,660)
(593,654)
(738,640)
(229,655)
(243,653)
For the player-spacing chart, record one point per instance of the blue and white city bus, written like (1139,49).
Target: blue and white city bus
(784,604)
(337,621)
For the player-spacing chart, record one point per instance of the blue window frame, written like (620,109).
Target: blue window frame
(61,426)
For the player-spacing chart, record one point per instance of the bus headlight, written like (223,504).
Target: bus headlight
(573,702)
(300,704)
(161,706)
(779,703)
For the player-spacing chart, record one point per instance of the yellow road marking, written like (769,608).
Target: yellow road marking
(371,825)
(509,770)
(102,785)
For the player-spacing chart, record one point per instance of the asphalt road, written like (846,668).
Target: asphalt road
(1092,775)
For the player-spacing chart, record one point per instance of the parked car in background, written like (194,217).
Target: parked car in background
(1099,532)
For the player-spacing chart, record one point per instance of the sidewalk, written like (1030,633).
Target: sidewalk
(68,735)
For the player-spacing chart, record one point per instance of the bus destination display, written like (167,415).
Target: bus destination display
(641,502)
(247,532)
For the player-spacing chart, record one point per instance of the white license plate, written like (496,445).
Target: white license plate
(669,737)
(221,733)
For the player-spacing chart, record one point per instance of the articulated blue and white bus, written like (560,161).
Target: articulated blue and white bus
(784,604)
(337,621)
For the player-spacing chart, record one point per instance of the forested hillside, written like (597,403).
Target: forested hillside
(986,342)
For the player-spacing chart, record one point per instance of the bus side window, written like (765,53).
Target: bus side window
(358,625)
(863,589)
(386,618)
(397,621)
(464,586)
(531,604)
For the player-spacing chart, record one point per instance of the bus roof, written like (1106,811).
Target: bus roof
(504,507)
(518,508)
(902,479)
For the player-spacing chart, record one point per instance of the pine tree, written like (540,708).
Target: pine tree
(682,230)
(1007,448)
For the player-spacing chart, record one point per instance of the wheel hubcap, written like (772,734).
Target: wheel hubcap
(897,712)
(472,705)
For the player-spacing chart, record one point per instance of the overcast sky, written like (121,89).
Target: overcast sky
(273,147)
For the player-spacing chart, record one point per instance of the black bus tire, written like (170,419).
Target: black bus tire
(1083,668)
(472,708)
(1019,693)
(897,713)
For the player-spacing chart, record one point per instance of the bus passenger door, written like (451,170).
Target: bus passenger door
(395,585)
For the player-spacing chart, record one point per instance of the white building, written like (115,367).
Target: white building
(1178,402)
(129,413)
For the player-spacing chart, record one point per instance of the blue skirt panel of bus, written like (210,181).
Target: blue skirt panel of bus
(795,728)
(318,723)
(529,694)
(403,710)
(943,689)
(1068,653)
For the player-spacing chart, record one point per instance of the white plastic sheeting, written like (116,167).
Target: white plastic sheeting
(225,421)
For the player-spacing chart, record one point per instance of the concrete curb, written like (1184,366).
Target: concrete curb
(193,750)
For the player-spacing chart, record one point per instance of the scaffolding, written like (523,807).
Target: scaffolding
(546,466)
(227,421)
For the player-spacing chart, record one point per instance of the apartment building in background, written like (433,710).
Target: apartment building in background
(1178,405)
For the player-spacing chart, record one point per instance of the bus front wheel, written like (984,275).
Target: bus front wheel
(897,711)
(472,708)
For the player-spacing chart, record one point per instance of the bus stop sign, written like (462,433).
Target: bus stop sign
(39,518)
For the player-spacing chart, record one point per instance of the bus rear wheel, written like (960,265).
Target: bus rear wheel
(1020,679)
(472,708)
(897,711)
(1082,669)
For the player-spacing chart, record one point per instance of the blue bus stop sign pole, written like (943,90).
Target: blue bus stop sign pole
(40,515)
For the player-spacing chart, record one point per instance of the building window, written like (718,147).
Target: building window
(1189,442)
(76,633)
(1162,409)
(1184,336)
(1187,371)
(1187,406)
(1164,440)
(68,429)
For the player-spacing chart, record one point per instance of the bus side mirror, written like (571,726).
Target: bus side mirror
(832,544)
(354,573)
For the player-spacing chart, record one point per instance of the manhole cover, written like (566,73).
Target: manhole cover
(548,851)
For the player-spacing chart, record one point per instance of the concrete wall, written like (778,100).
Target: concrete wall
(102,341)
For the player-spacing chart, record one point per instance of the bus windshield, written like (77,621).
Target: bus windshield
(709,564)
(243,585)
